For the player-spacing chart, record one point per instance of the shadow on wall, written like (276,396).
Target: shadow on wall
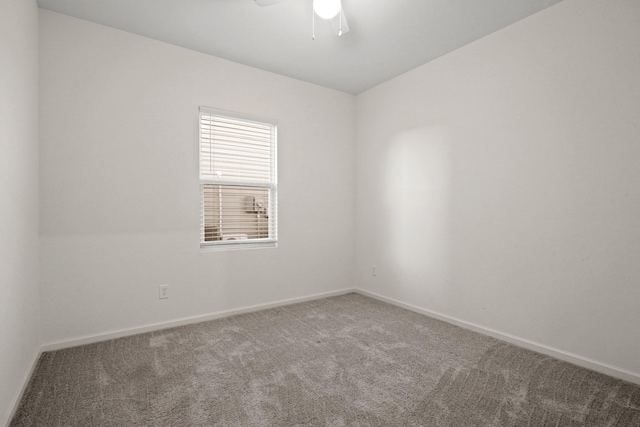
(416,195)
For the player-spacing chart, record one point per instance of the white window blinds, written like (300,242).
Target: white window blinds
(237,179)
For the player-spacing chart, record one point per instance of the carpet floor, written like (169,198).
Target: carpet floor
(342,361)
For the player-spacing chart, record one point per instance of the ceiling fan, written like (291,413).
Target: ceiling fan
(325,9)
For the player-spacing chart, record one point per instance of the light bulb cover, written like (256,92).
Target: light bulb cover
(327,9)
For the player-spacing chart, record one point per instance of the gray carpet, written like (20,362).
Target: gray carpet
(341,361)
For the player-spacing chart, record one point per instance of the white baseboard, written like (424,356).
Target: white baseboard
(584,362)
(105,336)
(25,382)
(521,342)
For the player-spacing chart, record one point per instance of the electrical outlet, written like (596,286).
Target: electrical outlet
(373,270)
(164,291)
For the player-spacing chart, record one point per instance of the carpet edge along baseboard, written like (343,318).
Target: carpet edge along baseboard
(566,356)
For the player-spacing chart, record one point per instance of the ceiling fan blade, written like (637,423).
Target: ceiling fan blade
(267,2)
(339,24)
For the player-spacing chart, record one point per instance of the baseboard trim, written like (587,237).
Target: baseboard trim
(521,342)
(566,356)
(105,336)
(25,382)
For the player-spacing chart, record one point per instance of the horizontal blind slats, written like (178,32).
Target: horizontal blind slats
(218,154)
(208,136)
(211,118)
(229,212)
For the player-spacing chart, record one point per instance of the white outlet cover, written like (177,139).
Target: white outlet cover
(164,291)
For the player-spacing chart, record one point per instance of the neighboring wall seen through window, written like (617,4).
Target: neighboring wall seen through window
(238,185)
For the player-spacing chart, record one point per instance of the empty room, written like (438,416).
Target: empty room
(320,213)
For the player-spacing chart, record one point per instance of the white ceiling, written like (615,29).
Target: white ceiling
(387,37)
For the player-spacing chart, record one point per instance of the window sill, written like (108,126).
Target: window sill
(237,246)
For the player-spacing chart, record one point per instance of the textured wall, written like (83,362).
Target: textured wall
(499,184)
(120,191)
(19,270)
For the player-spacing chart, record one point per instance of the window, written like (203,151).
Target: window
(238,180)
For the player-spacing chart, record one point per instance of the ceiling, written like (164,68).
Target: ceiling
(387,37)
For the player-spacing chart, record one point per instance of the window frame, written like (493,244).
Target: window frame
(272,206)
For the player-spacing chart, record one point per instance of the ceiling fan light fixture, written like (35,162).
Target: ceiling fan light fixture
(327,9)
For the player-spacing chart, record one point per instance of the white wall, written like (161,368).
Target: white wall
(19,290)
(120,195)
(500,184)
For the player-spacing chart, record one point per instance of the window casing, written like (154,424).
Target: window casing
(238,180)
